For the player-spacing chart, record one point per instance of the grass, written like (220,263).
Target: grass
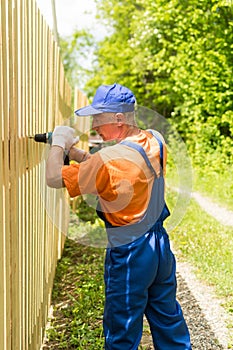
(78,298)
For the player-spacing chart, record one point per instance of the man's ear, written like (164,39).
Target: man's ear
(119,118)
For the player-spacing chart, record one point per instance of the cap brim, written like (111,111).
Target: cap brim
(86,111)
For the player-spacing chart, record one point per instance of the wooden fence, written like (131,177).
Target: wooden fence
(34,97)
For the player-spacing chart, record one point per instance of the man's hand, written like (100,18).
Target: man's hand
(78,155)
(63,136)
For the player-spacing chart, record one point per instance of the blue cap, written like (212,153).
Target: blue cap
(110,98)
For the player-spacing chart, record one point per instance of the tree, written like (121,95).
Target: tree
(77,52)
(177,57)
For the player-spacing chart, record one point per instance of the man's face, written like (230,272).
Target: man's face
(105,125)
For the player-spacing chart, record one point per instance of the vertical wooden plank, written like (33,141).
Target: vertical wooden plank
(23,165)
(32,34)
(51,83)
(6,174)
(82,123)
(28,178)
(40,103)
(13,156)
(17,142)
(5,77)
(2,231)
(4,200)
(25,196)
(32,189)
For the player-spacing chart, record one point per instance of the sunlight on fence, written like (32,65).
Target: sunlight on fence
(35,96)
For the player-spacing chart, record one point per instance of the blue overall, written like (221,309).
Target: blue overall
(140,278)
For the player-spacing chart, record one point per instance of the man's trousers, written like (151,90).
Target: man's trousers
(140,278)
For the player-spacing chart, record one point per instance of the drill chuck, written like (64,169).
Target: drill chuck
(45,137)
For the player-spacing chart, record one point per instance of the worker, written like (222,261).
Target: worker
(128,179)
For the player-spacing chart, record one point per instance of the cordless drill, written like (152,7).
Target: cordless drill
(47,138)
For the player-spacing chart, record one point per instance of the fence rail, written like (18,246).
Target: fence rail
(34,97)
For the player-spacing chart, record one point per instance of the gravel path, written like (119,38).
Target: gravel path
(205,317)
(202,335)
(202,307)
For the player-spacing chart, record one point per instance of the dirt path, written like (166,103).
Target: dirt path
(202,334)
(205,317)
(207,303)
(223,215)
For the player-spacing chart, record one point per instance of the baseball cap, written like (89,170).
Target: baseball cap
(110,98)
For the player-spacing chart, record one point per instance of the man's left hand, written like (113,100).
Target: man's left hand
(63,136)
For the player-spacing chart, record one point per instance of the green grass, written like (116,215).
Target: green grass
(208,246)
(78,297)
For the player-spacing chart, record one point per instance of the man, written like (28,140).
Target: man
(128,180)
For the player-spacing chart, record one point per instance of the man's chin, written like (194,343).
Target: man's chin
(102,137)
(106,138)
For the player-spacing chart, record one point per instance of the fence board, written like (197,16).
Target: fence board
(6,311)
(14,232)
(2,233)
(80,100)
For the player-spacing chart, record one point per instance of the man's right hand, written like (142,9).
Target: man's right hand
(78,155)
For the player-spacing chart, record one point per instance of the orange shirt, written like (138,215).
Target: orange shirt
(119,176)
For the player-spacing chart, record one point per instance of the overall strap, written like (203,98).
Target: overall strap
(141,150)
(160,146)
